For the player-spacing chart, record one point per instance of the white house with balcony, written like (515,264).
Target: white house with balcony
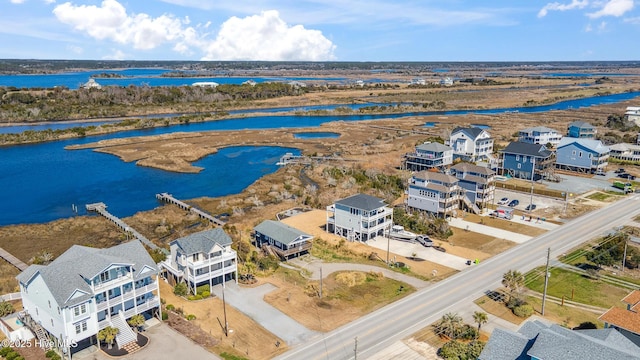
(359,217)
(86,290)
(539,135)
(633,114)
(200,259)
(471,144)
(428,156)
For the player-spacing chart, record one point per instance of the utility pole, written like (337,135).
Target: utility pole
(355,349)
(533,173)
(224,309)
(388,243)
(546,280)
(624,257)
(320,282)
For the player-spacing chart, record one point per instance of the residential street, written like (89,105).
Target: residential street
(381,329)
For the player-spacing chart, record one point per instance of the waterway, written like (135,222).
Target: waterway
(40,182)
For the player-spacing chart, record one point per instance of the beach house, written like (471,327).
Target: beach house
(429,155)
(436,193)
(281,239)
(582,155)
(471,144)
(581,129)
(633,114)
(626,152)
(86,290)
(203,258)
(477,182)
(540,135)
(359,217)
(527,161)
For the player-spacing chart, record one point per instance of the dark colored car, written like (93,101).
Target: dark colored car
(620,171)
(626,176)
(531,207)
(514,203)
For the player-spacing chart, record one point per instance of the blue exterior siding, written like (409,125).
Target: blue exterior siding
(519,165)
(575,155)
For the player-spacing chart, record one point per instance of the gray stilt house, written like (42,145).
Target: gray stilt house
(281,239)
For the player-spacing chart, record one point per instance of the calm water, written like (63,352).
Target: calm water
(138,77)
(316,135)
(39,183)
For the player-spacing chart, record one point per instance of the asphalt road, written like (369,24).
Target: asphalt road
(396,321)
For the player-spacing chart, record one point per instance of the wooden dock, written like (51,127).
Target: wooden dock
(13,260)
(101,209)
(166,197)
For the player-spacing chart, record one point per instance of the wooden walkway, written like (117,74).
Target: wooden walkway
(13,260)
(289,158)
(101,209)
(203,215)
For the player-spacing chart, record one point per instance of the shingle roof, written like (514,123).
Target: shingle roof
(521,148)
(203,241)
(540,129)
(72,270)
(622,318)
(433,146)
(581,124)
(280,231)
(472,132)
(467,167)
(435,176)
(591,144)
(633,298)
(363,202)
(555,342)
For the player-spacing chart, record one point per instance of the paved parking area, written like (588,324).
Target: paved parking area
(407,249)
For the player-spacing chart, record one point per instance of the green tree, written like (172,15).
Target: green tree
(513,280)
(449,325)
(6,308)
(108,335)
(136,321)
(480,317)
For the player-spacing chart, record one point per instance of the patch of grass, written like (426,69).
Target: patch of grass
(505,225)
(599,196)
(227,356)
(584,289)
(564,315)
(367,294)
(498,308)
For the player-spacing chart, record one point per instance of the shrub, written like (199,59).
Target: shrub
(524,310)
(11,355)
(165,316)
(50,353)
(514,302)
(170,307)
(191,317)
(206,294)
(4,351)
(202,288)
(468,333)
(56,357)
(180,289)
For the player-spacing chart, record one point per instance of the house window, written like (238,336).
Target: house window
(195,257)
(517,157)
(80,309)
(49,301)
(51,322)
(573,152)
(524,159)
(104,276)
(519,166)
(580,154)
(77,328)
(84,326)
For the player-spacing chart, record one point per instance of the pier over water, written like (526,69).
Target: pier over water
(166,197)
(101,208)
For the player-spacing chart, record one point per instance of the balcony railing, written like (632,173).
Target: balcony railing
(296,250)
(97,286)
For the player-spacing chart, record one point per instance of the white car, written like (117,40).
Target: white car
(503,201)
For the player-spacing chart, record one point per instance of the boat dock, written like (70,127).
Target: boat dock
(101,209)
(166,197)
(289,158)
(13,260)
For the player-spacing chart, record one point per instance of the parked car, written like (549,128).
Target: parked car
(514,203)
(503,201)
(424,240)
(531,207)
(620,171)
(626,176)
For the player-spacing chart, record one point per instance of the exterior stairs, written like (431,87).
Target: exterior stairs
(125,334)
(470,205)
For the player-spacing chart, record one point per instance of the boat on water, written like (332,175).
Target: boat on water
(398,232)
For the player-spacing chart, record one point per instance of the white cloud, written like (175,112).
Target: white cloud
(257,37)
(75,49)
(575,4)
(17,1)
(111,21)
(267,37)
(633,20)
(615,8)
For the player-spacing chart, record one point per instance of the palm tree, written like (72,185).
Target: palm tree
(108,335)
(514,281)
(450,325)
(136,321)
(480,317)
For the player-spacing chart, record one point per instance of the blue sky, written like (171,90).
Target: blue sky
(319,30)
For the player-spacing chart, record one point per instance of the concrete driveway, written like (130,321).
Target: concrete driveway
(407,249)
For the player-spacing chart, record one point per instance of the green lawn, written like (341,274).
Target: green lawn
(599,196)
(585,290)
